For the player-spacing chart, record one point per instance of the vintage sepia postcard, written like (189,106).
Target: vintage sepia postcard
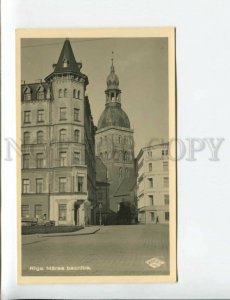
(96,125)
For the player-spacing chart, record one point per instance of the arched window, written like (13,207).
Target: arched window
(65,93)
(115,155)
(78,94)
(62,135)
(126,156)
(40,137)
(120,156)
(26,138)
(120,173)
(106,155)
(119,139)
(60,93)
(74,93)
(150,167)
(126,172)
(76,136)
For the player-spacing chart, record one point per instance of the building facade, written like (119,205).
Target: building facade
(153,184)
(114,140)
(58,142)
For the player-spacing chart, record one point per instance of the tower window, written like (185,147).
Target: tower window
(63,159)
(126,172)
(119,139)
(65,93)
(76,114)
(60,93)
(40,137)
(78,94)
(76,136)
(65,63)
(62,113)
(120,173)
(62,135)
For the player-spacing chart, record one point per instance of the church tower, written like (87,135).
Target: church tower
(115,145)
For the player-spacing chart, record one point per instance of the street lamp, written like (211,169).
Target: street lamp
(100,207)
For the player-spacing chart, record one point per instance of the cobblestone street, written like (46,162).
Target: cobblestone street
(113,250)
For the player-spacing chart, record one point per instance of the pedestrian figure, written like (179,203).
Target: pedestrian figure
(157,220)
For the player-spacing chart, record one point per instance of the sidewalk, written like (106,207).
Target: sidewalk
(36,238)
(85,231)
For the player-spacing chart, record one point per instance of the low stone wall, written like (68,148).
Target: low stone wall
(49,229)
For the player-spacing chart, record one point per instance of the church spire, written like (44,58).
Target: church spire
(113,92)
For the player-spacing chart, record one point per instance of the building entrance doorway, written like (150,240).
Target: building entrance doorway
(76,213)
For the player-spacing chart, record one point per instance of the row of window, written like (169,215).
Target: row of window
(121,140)
(39,212)
(164,165)
(62,136)
(154,218)
(123,173)
(40,95)
(165,182)
(65,93)
(126,156)
(163,153)
(151,199)
(40,185)
(62,159)
(41,115)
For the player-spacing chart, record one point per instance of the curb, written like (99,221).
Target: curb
(71,234)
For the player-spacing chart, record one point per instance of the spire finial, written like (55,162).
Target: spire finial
(112,66)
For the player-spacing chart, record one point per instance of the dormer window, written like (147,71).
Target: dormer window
(65,63)
(40,93)
(27,94)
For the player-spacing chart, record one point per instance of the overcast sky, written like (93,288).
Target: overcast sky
(140,63)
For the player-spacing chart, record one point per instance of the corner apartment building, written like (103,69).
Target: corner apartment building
(58,145)
(153,184)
